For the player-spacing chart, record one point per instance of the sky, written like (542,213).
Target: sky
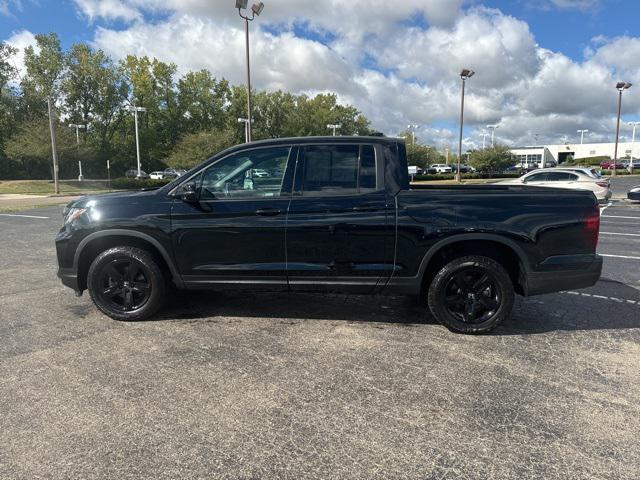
(544,68)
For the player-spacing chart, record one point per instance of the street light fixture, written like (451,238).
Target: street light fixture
(256,10)
(78,127)
(633,143)
(464,75)
(582,132)
(412,128)
(334,127)
(135,111)
(493,132)
(621,87)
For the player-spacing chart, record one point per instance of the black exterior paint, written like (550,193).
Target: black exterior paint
(380,241)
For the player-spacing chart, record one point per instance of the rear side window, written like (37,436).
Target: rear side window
(339,169)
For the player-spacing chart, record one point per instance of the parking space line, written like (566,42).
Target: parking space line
(620,256)
(623,234)
(23,216)
(602,297)
(619,216)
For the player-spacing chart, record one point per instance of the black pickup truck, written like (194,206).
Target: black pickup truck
(329,214)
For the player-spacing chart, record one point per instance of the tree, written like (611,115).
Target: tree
(8,103)
(195,148)
(44,73)
(491,160)
(202,100)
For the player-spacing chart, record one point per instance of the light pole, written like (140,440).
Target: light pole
(246,128)
(256,10)
(334,127)
(621,87)
(493,132)
(484,139)
(135,110)
(412,128)
(78,127)
(633,143)
(582,132)
(464,75)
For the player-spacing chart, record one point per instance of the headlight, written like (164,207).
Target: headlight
(73,214)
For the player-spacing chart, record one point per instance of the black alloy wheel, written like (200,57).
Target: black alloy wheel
(471,294)
(126,283)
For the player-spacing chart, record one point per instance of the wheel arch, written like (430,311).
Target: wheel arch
(92,245)
(501,249)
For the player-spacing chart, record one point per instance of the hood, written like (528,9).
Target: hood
(111,198)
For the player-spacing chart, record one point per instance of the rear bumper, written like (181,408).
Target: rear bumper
(566,272)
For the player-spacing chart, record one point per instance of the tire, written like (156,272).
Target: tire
(471,294)
(126,284)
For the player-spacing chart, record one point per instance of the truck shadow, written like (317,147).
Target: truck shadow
(611,308)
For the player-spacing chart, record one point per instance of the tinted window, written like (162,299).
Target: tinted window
(339,169)
(561,177)
(254,173)
(536,177)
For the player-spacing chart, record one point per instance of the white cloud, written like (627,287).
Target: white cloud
(20,41)
(398,62)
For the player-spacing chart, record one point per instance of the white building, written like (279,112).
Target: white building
(559,153)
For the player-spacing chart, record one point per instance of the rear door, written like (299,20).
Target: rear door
(339,225)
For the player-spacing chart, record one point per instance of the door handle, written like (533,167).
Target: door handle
(268,212)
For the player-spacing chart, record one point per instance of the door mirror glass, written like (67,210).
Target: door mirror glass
(189,192)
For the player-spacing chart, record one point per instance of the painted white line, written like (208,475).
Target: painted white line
(23,216)
(623,234)
(618,216)
(620,256)
(602,297)
(602,209)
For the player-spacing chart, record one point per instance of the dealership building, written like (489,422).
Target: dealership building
(552,154)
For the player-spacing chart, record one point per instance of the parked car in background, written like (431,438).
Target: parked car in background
(170,173)
(569,179)
(521,169)
(340,216)
(628,163)
(156,175)
(608,164)
(634,193)
(440,168)
(463,168)
(133,173)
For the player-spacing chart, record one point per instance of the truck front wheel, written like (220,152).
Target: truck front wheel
(471,294)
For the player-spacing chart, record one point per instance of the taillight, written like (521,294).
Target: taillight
(603,184)
(592,227)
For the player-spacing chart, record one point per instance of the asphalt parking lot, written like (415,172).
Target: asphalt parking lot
(316,386)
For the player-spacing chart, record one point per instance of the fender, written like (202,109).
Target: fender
(473,236)
(177,278)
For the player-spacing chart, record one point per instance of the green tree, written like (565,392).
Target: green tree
(491,160)
(44,72)
(195,148)
(8,103)
(202,101)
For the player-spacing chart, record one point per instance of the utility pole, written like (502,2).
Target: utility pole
(54,151)
(334,127)
(484,139)
(621,87)
(412,128)
(582,132)
(493,132)
(633,144)
(464,75)
(135,111)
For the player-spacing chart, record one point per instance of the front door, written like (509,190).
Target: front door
(235,233)
(339,226)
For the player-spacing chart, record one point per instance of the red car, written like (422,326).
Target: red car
(608,164)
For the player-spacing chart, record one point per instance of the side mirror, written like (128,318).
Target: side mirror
(189,193)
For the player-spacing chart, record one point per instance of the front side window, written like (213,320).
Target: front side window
(339,169)
(249,174)
(536,177)
(561,177)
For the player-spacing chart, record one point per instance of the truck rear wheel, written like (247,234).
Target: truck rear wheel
(126,284)
(471,294)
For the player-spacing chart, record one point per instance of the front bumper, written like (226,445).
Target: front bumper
(566,272)
(69,278)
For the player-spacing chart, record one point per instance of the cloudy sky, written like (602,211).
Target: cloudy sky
(543,67)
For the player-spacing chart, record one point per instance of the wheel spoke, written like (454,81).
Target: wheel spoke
(461,281)
(140,287)
(453,300)
(132,272)
(112,291)
(112,272)
(128,299)
(482,284)
(468,311)
(489,303)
